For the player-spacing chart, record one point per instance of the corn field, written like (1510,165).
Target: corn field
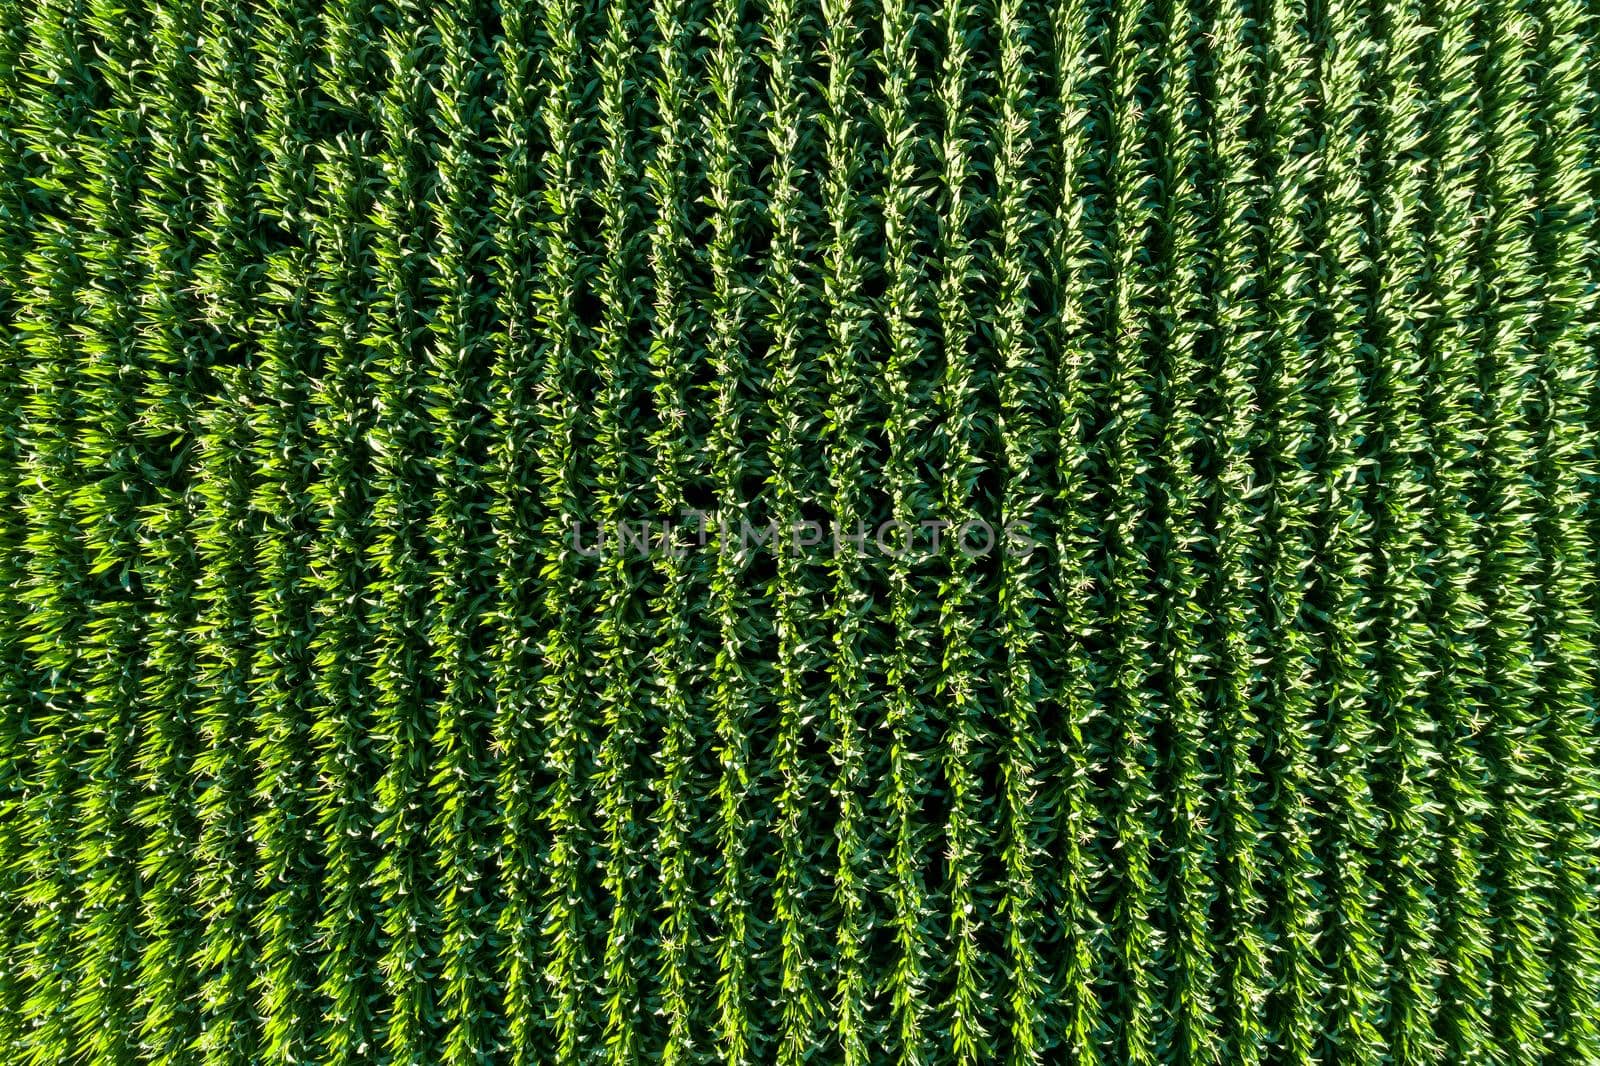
(472,478)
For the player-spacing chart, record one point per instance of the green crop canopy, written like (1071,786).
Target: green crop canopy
(800,532)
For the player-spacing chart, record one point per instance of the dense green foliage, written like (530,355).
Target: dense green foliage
(330,330)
